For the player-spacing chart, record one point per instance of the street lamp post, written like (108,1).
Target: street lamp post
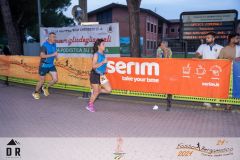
(83,6)
(39,15)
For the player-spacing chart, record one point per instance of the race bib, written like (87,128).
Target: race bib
(103,79)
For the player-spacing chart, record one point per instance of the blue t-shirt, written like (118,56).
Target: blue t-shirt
(102,69)
(48,49)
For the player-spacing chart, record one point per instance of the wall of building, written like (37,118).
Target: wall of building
(173,30)
(151,35)
(120,15)
(165,31)
(92,18)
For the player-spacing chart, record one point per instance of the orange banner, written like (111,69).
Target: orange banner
(4,65)
(193,77)
(73,71)
(24,67)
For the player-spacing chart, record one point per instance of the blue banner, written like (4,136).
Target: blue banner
(236,79)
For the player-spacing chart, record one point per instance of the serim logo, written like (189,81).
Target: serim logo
(13,150)
(144,68)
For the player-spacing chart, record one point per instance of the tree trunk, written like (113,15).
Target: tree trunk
(134,12)
(14,40)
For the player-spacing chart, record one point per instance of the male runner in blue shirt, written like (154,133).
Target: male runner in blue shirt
(48,53)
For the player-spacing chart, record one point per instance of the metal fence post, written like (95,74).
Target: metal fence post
(169,102)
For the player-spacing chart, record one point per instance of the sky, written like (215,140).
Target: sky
(169,9)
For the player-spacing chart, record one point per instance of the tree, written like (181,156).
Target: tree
(14,40)
(52,13)
(24,17)
(134,12)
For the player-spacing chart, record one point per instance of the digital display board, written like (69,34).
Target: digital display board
(195,25)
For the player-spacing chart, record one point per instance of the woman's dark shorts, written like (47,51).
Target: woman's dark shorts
(94,77)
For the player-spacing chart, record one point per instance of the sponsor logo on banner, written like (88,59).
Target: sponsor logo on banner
(140,68)
(137,68)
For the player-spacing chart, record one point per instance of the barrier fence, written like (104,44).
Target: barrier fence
(186,79)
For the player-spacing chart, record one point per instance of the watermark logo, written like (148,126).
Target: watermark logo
(119,154)
(221,148)
(13,150)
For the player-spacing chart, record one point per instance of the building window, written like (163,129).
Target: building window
(178,30)
(151,27)
(166,31)
(148,44)
(155,28)
(148,27)
(105,17)
(151,45)
(159,30)
(172,30)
